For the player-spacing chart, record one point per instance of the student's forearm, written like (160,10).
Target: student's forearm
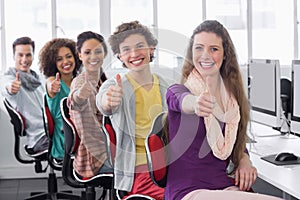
(188,104)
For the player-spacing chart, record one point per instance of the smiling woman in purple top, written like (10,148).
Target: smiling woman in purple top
(208,115)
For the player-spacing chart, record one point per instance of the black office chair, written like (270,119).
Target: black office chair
(111,151)
(52,180)
(285,95)
(70,176)
(156,150)
(19,125)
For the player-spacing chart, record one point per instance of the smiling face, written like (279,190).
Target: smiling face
(208,53)
(23,57)
(65,61)
(92,55)
(135,52)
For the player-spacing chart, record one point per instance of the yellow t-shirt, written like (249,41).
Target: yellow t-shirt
(148,106)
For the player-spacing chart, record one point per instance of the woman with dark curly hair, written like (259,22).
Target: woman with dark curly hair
(60,64)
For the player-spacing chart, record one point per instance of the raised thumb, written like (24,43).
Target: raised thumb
(57,77)
(119,81)
(18,76)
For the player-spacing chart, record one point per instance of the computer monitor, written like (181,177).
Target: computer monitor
(295,115)
(264,95)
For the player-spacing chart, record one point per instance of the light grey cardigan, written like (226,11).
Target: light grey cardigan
(28,101)
(123,121)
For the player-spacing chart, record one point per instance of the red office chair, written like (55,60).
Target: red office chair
(49,129)
(72,141)
(111,151)
(52,180)
(156,151)
(19,129)
(110,136)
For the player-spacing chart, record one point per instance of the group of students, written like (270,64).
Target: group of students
(208,111)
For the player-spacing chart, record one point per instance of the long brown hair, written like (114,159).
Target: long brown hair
(230,72)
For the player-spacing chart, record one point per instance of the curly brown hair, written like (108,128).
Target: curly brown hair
(230,72)
(49,52)
(125,30)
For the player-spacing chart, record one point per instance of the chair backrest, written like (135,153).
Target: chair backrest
(49,130)
(16,119)
(72,141)
(18,122)
(285,94)
(121,194)
(156,151)
(70,145)
(71,137)
(110,136)
(48,119)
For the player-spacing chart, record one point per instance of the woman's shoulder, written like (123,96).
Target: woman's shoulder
(176,86)
(177,89)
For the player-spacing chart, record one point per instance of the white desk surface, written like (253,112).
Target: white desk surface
(286,177)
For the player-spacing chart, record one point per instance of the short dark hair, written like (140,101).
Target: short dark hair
(23,40)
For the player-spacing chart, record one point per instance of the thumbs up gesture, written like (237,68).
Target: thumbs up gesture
(113,96)
(15,85)
(55,84)
(86,89)
(205,102)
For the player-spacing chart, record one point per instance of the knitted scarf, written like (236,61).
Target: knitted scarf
(220,144)
(30,81)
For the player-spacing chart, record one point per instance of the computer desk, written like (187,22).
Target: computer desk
(285,177)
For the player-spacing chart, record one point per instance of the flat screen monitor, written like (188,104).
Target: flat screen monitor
(264,94)
(295,110)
